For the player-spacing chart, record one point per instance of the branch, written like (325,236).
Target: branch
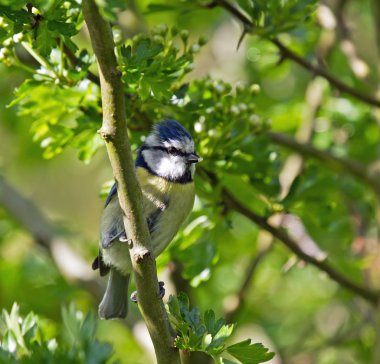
(114,133)
(368,294)
(47,236)
(343,164)
(358,66)
(289,54)
(74,61)
(308,149)
(376,22)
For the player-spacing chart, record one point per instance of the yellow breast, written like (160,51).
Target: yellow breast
(175,200)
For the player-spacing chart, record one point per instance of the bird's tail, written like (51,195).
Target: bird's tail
(115,300)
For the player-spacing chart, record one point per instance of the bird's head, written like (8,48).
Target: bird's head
(169,152)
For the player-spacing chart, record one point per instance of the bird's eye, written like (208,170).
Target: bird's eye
(173,151)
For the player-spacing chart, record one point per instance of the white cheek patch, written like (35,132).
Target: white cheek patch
(171,166)
(165,165)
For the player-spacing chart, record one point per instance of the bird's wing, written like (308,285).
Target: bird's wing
(111,194)
(98,263)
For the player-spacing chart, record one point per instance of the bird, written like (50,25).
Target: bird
(165,166)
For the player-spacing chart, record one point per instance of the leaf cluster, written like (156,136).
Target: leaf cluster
(26,339)
(152,64)
(41,24)
(208,335)
(268,17)
(271,17)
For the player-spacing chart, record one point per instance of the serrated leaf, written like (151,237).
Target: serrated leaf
(67,29)
(183,301)
(192,317)
(145,49)
(174,307)
(17,16)
(209,319)
(222,335)
(249,353)
(45,39)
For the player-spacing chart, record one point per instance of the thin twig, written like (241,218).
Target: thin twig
(339,163)
(348,165)
(74,61)
(287,53)
(114,132)
(368,294)
(241,295)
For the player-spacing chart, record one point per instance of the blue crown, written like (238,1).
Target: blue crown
(171,129)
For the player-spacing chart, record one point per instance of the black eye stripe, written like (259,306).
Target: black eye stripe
(170,150)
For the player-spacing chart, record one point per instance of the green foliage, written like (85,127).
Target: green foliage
(271,17)
(61,116)
(46,56)
(41,25)
(152,64)
(195,247)
(25,339)
(206,334)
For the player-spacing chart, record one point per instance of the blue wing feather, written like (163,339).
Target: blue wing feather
(111,194)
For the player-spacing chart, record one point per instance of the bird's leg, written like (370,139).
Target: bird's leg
(161,294)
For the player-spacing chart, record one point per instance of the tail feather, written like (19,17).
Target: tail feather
(115,300)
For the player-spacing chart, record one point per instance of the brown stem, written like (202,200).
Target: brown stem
(368,294)
(114,133)
(349,166)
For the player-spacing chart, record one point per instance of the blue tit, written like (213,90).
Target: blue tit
(165,167)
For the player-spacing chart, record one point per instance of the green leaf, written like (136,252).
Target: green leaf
(45,39)
(221,336)
(173,306)
(10,341)
(249,353)
(67,29)
(209,319)
(17,16)
(226,361)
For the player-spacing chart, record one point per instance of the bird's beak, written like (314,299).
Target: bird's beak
(194,158)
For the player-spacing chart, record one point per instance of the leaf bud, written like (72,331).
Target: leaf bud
(160,29)
(184,34)
(202,40)
(117,35)
(195,48)
(255,89)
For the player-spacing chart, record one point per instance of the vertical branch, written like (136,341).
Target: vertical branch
(114,133)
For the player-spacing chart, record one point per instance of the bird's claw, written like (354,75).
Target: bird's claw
(161,287)
(123,239)
(134,297)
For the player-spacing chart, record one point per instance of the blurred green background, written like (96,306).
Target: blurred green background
(50,208)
